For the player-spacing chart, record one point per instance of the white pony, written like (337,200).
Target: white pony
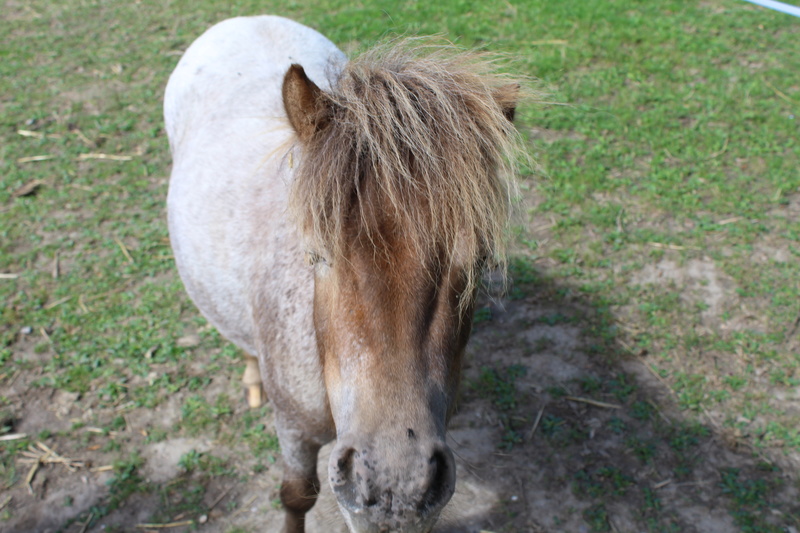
(331,219)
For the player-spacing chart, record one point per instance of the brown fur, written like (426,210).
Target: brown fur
(417,137)
(298,497)
(402,191)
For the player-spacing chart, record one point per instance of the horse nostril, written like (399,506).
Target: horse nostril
(344,463)
(342,472)
(440,482)
(351,478)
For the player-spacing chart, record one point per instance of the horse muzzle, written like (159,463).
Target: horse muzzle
(391,485)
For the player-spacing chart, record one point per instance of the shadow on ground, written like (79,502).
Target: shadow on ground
(570,431)
(560,429)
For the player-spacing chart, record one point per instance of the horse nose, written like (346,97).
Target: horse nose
(394,486)
(440,485)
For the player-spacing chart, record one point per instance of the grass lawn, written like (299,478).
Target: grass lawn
(666,197)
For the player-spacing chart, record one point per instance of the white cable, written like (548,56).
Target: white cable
(777,6)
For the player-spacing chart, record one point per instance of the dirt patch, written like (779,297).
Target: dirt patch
(587,442)
(162,459)
(698,281)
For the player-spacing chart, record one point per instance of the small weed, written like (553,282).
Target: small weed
(560,431)
(613,476)
(601,482)
(591,384)
(259,438)
(645,451)
(597,518)
(198,382)
(642,410)
(778,433)
(510,438)
(617,425)
(182,496)
(550,424)
(111,445)
(749,500)
(781,376)
(484,314)
(113,391)
(198,415)
(621,386)
(718,396)
(118,423)
(204,463)
(735,382)
(685,436)
(691,391)
(189,460)
(126,481)
(522,271)
(186,494)
(652,503)
(557,392)
(523,276)
(585,485)
(553,319)
(156,434)
(498,385)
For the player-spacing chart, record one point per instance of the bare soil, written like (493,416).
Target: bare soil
(585,441)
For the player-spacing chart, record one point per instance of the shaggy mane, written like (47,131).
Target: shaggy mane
(418,136)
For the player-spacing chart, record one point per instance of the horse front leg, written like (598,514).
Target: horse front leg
(300,486)
(298,496)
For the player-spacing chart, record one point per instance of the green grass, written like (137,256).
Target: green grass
(498,386)
(126,482)
(261,440)
(666,171)
(198,415)
(750,501)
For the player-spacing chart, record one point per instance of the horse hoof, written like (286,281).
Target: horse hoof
(255,397)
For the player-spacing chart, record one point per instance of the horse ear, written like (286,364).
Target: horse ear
(507,97)
(305,103)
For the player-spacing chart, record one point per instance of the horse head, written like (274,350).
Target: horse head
(401,191)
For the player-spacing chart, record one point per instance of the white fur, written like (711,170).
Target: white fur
(237,252)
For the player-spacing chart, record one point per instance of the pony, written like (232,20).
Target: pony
(332,218)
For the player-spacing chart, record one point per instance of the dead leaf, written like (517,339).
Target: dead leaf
(188,341)
(29,189)
(35,158)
